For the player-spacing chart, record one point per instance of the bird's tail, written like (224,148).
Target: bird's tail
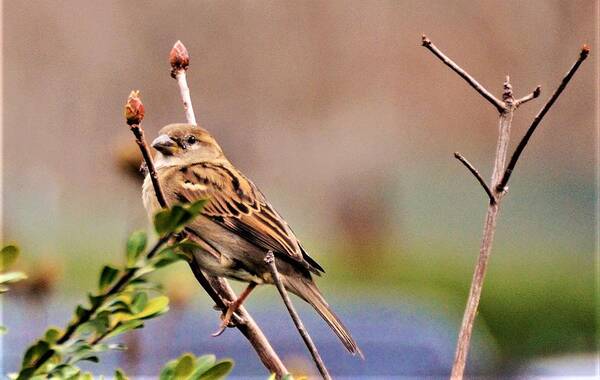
(308,291)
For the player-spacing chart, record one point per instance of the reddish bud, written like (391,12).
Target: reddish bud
(585,50)
(134,108)
(179,58)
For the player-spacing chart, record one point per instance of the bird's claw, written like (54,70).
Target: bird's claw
(227,319)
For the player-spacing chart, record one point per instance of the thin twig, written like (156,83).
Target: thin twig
(585,51)
(500,106)
(531,96)
(477,176)
(270,260)
(218,288)
(141,142)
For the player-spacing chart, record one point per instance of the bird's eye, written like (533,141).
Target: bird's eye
(191,140)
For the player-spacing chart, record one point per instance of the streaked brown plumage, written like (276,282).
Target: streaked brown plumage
(237,225)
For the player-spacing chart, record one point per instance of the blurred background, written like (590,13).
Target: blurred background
(348,125)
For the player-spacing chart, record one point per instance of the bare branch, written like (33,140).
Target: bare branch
(531,96)
(270,260)
(500,106)
(477,176)
(585,50)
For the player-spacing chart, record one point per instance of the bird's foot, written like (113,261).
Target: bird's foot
(226,317)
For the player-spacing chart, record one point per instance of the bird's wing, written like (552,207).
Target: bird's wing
(235,203)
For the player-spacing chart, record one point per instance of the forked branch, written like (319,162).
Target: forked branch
(497,189)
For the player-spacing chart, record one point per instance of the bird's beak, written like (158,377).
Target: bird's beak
(165,145)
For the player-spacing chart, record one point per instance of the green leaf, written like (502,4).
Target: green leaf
(86,376)
(107,276)
(52,335)
(154,307)
(184,367)
(166,257)
(8,255)
(2,330)
(120,375)
(34,352)
(65,371)
(135,246)
(123,327)
(168,370)
(140,300)
(218,371)
(203,363)
(98,325)
(95,300)
(175,218)
(10,277)
(80,311)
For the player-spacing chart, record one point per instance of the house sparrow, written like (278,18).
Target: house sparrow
(237,226)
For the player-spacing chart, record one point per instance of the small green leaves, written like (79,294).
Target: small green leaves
(188,367)
(8,255)
(107,276)
(121,304)
(135,246)
(175,218)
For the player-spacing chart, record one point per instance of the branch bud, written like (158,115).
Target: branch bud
(425,41)
(179,58)
(585,50)
(134,108)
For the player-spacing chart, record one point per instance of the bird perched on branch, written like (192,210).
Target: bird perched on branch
(237,226)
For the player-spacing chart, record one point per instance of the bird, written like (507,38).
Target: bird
(237,226)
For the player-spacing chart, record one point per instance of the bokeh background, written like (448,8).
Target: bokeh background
(348,125)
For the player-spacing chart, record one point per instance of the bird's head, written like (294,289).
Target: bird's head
(184,144)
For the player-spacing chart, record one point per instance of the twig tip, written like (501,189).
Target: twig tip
(134,108)
(425,41)
(179,58)
(585,51)
(537,91)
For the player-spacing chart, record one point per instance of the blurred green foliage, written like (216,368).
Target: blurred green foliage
(8,255)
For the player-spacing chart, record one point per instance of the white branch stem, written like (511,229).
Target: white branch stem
(186,97)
